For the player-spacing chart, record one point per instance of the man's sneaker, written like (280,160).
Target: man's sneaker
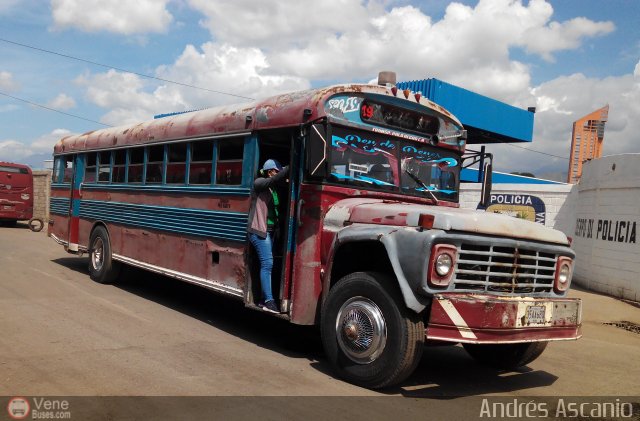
(271,307)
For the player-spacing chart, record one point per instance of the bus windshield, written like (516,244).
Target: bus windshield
(381,162)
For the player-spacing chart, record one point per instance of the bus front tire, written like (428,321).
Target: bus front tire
(506,356)
(102,268)
(368,334)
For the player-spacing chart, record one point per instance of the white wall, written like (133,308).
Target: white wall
(608,216)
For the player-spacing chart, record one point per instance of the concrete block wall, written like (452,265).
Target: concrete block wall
(607,220)
(41,194)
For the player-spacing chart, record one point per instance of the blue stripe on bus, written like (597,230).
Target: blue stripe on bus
(198,222)
(59,205)
(218,190)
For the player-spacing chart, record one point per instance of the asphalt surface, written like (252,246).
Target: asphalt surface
(62,334)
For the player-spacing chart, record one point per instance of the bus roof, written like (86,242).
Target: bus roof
(273,112)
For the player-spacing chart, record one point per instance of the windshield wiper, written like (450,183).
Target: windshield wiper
(421,183)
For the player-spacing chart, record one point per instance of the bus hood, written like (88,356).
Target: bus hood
(385,212)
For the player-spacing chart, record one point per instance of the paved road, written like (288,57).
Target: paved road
(63,334)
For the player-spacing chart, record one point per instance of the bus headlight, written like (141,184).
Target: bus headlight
(441,265)
(564,269)
(444,263)
(24,196)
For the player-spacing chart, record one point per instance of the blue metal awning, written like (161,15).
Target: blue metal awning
(486,120)
(470,175)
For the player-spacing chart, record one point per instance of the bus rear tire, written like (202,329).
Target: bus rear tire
(102,268)
(506,356)
(369,335)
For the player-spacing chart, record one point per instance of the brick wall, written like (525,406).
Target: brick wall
(41,193)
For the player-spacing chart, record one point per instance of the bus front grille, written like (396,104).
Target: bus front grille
(504,269)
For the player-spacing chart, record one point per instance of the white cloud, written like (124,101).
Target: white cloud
(563,100)
(122,93)
(13,151)
(118,16)
(62,102)
(45,143)
(215,67)
(352,39)
(285,22)
(16,151)
(7,83)
(562,36)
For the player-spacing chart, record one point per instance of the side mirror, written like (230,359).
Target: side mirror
(316,151)
(485,194)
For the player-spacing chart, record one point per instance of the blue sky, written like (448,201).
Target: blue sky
(567,57)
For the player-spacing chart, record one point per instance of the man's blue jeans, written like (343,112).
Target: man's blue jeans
(264,249)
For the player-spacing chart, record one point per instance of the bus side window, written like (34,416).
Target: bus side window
(104,167)
(229,165)
(136,165)
(119,166)
(201,161)
(90,170)
(68,169)
(155,159)
(57,170)
(176,163)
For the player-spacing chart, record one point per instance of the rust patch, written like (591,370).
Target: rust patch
(240,273)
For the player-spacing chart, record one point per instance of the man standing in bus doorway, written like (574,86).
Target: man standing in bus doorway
(263,221)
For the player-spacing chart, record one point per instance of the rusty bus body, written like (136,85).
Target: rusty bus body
(16,192)
(374,246)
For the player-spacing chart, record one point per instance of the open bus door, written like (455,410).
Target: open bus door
(306,266)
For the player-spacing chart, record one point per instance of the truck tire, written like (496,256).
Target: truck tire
(102,268)
(369,335)
(506,356)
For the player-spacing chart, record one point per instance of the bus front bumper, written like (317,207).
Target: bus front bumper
(487,319)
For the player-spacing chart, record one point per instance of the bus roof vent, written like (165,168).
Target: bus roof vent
(387,78)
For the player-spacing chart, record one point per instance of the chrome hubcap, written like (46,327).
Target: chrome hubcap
(361,330)
(97,254)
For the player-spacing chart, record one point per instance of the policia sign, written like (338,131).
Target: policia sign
(522,206)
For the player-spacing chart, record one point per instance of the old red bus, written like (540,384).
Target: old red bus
(16,192)
(375,247)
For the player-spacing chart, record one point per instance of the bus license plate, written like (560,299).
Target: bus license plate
(6,207)
(536,315)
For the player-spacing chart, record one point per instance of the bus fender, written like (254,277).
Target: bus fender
(405,249)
